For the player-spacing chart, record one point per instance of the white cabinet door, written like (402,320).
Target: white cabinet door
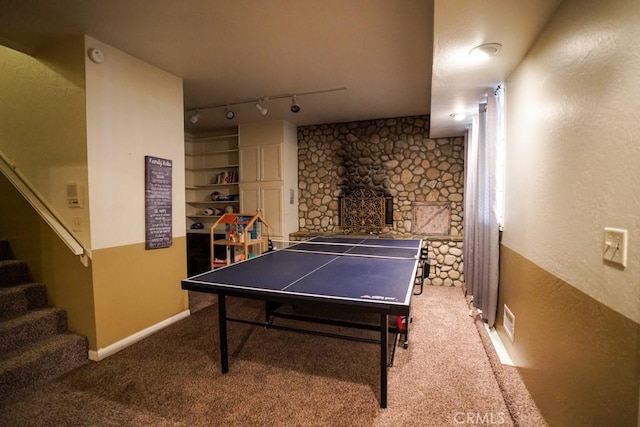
(266,199)
(271,162)
(249,195)
(249,159)
(271,200)
(261,163)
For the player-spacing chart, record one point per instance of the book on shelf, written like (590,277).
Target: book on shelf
(226,177)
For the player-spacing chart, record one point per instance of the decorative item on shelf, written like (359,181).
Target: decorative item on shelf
(217,211)
(215,196)
(197,226)
(207,211)
(228,209)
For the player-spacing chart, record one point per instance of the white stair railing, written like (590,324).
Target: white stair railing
(39,203)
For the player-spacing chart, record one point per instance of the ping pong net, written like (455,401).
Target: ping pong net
(351,249)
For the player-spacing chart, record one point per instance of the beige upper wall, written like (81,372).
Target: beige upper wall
(43,130)
(573,149)
(133,110)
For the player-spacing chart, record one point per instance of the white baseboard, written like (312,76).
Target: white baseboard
(503,355)
(109,350)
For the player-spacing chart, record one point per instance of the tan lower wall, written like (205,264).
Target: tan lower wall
(136,288)
(579,359)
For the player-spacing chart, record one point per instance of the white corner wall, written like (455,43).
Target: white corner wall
(573,149)
(133,110)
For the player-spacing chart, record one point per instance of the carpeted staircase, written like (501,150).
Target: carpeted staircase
(35,345)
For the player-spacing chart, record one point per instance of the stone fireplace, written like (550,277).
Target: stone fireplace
(422,178)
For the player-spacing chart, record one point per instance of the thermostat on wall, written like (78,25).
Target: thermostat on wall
(73,196)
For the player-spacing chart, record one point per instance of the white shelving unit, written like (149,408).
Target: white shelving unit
(211,166)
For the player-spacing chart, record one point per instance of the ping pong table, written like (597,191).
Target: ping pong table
(364,275)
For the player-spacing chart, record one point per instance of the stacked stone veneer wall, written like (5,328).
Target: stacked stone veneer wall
(392,156)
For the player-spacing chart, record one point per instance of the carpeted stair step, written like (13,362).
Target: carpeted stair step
(16,300)
(42,362)
(22,331)
(5,250)
(13,272)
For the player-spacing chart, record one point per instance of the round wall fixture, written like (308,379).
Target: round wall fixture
(96,55)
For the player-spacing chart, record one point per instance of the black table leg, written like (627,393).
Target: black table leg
(383,359)
(222,323)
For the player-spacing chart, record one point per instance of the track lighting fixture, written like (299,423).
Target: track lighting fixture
(194,115)
(261,108)
(228,113)
(295,107)
(193,118)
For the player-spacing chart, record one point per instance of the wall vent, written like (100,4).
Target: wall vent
(509,323)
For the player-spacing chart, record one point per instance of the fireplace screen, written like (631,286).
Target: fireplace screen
(362,210)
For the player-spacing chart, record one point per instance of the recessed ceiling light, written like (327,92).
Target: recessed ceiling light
(458,116)
(485,51)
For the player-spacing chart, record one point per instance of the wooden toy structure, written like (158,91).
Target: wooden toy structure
(246,235)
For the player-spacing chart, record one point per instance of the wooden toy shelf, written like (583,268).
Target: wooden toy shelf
(245,235)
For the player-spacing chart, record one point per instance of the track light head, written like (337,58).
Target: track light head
(228,113)
(193,118)
(295,107)
(261,108)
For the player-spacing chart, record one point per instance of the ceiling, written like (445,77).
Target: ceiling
(393,58)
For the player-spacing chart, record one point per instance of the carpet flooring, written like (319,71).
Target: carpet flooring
(446,377)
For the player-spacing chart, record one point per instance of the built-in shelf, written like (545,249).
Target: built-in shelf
(209,159)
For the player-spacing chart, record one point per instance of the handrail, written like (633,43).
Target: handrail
(39,203)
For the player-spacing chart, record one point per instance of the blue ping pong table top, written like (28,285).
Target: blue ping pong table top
(368,271)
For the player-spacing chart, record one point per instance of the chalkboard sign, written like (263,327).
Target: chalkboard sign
(157,203)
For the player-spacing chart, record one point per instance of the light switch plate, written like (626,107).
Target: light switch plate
(615,246)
